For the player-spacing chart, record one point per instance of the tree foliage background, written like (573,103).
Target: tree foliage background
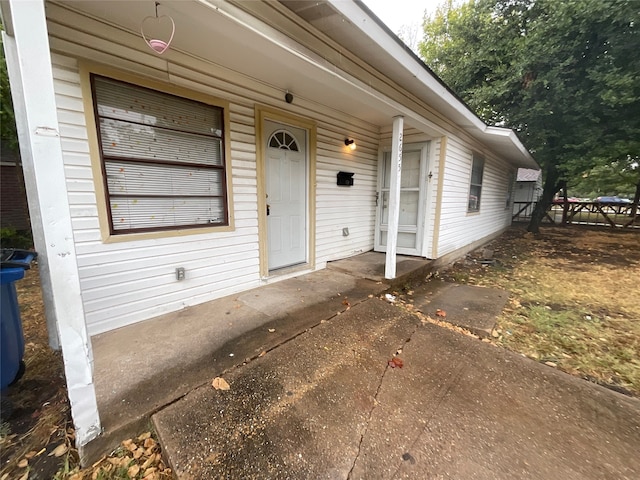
(562,74)
(8,134)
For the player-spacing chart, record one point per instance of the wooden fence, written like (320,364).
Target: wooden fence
(615,215)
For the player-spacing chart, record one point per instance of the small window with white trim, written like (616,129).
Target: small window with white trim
(475,189)
(163,158)
(511,181)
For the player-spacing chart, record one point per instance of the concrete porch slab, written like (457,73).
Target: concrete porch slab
(327,404)
(371,265)
(467,306)
(143,367)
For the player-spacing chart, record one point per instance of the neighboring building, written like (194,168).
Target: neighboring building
(14,212)
(528,191)
(223,156)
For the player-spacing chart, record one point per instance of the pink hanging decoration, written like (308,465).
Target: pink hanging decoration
(156,44)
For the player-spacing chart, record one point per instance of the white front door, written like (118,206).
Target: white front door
(286,189)
(412,199)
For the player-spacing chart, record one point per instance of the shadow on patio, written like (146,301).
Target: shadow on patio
(141,368)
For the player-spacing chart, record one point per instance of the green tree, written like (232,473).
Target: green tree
(621,177)
(8,134)
(562,74)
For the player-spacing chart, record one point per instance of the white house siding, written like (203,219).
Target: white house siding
(126,282)
(458,228)
(525,192)
(345,207)
(528,187)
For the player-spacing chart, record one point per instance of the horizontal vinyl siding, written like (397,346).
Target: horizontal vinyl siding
(341,207)
(126,282)
(433,172)
(457,227)
(130,281)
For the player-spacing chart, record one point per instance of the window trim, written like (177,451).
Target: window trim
(511,188)
(480,158)
(87,69)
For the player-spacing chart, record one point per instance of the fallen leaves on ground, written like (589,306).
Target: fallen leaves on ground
(138,458)
(440,313)
(220,383)
(395,362)
(573,303)
(59,450)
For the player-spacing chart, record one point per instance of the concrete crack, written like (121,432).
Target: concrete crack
(375,403)
(443,393)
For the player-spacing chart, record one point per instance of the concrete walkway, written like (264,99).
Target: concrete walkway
(143,367)
(328,404)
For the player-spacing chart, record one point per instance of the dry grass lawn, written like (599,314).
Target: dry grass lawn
(575,299)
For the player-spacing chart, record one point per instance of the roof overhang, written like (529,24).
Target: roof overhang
(258,40)
(244,40)
(354,26)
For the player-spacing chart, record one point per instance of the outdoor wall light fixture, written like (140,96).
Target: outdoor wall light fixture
(351,143)
(288,97)
(156,25)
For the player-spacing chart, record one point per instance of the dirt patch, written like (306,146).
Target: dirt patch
(574,299)
(35,410)
(36,435)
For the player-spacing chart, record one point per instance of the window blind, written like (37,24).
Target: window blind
(162,158)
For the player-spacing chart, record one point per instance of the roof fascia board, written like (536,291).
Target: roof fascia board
(271,13)
(368,23)
(509,133)
(337,54)
(271,34)
(365,21)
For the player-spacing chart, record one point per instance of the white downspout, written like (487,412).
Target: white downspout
(394,197)
(31,76)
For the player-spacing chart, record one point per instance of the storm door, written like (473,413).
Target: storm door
(412,199)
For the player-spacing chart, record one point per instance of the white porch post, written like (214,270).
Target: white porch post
(394,197)
(28,57)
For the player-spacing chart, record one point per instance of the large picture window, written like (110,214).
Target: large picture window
(162,158)
(475,189)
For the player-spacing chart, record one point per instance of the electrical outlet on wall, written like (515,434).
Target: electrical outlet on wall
(180,273)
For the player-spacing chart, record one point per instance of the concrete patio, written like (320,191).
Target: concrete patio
(141,368)
(313,392)
(328,404)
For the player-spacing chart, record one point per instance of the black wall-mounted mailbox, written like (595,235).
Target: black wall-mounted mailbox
(345,179)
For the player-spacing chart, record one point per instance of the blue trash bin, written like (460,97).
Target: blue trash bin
(11,337)
(12,267)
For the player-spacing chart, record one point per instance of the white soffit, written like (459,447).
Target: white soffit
(360,32)
(220,33)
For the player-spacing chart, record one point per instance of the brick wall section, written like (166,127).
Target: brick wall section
(14,211)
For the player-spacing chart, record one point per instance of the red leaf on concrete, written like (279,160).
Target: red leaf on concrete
(395,362)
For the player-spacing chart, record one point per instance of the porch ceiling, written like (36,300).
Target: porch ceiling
(352,25)
(222,33)
(203,30)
